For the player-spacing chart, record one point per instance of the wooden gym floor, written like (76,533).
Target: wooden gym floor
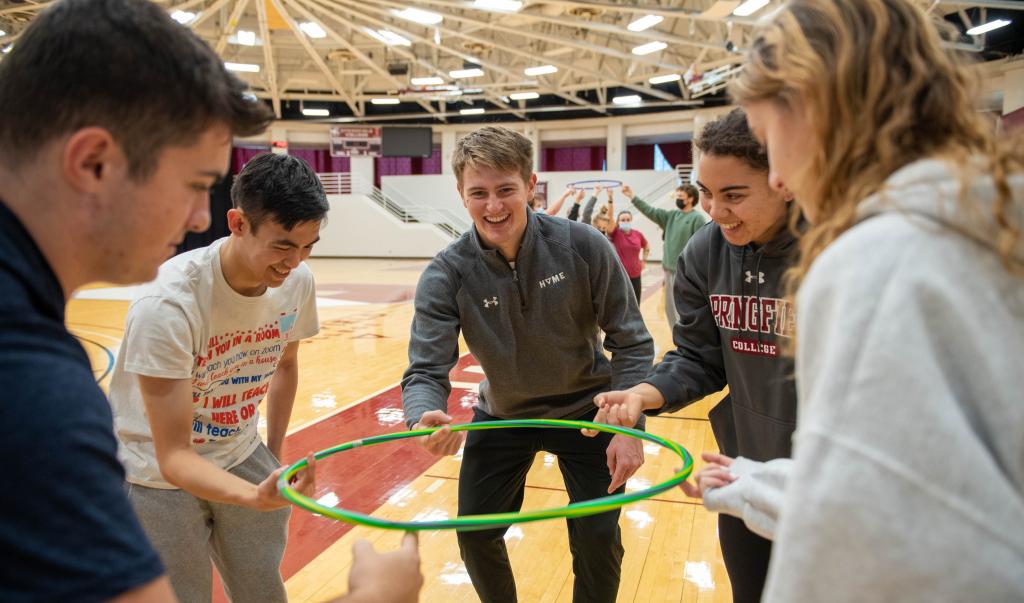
(348,389)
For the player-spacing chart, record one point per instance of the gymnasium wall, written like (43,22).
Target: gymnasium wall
(358,227)
(438,191)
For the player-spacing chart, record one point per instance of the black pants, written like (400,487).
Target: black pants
(493,479)
(637,289)
(746,558)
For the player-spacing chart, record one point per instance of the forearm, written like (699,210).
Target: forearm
(184,468)
(652,398)
(280,401)
(556,207)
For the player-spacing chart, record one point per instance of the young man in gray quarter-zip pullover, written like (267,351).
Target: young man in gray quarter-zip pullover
(529,293)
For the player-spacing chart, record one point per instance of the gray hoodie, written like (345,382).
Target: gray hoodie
(534,328)
(907,481)
(721,293)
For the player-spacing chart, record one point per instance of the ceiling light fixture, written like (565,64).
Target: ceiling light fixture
(387,37)
(246,67)
(540,70)
(184,17)
(246,38)
(384,101)
(476,111)
(423,17)
(749,7)
(664,79)
(649,47)
(316,112)
(977,31)
(632,99)
(505,6)
(523,95)
(312,30)
(645,22)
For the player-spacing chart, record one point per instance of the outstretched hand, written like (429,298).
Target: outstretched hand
(393,577)
(714,474)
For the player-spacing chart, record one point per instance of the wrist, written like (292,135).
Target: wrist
(650,397)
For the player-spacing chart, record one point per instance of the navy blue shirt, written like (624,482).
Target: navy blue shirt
(67,530)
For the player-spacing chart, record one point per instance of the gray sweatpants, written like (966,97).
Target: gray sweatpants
(670,298)
(246,545)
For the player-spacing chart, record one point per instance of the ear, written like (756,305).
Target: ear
(531,185)
(91,160)
(237,222)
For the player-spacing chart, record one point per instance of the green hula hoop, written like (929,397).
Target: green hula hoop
(491,520)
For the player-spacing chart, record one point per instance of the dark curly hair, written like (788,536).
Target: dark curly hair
(730,135)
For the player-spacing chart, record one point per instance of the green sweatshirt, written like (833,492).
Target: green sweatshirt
(678,225)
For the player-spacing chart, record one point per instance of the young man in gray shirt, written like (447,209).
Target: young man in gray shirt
(529,293)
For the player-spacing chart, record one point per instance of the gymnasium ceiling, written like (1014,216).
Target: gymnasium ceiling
(342,55)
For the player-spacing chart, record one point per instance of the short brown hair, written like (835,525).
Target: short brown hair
(730,136)
(495,147)
(124,66)
(690,190)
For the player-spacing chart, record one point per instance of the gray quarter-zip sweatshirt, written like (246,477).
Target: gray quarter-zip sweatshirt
(534,328)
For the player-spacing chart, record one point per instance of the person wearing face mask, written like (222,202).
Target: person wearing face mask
(733,323)
(631,245)
(677,228)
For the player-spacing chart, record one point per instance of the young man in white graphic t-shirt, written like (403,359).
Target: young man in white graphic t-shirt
(216,333)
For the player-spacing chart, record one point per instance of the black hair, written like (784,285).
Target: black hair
(730,135)
(281,188)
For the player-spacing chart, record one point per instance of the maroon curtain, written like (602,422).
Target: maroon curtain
(573,159)
(677,152)
(241,156)
(428,165)
(407,166)
(318,159)
(321,160)
(640,157)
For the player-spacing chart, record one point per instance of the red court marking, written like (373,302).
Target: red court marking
(362,478)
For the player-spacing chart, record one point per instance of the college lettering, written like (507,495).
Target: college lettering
(754,314)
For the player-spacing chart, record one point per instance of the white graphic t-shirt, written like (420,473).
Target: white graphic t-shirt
(190,324)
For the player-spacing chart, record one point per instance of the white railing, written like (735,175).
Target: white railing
(684,172)
(336,183)
(345,183)
(663,189)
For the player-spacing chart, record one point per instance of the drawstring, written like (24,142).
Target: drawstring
(757,300)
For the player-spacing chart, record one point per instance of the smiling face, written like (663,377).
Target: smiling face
(739,199)
(266,257)
(496,201)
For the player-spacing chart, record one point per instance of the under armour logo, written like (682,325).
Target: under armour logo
(760,277)
(490,302)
